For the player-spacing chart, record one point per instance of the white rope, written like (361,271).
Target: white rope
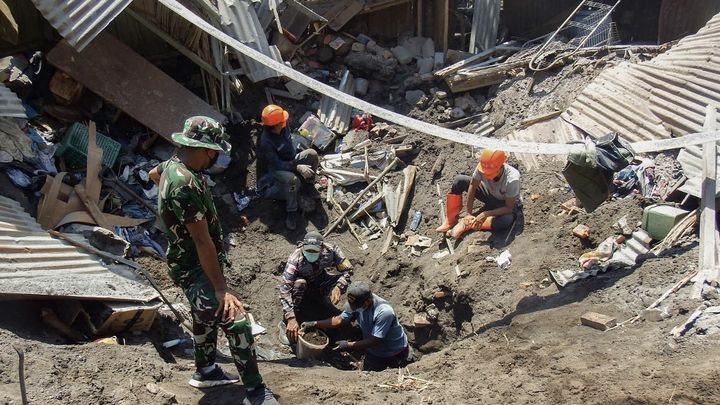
(420,126)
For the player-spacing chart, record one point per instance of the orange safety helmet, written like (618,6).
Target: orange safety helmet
(491,162)
(273,115)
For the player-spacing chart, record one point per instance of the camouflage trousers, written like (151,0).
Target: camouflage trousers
(203,306)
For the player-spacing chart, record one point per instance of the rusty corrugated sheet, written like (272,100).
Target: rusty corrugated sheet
(240,21)
(33,265)
(486,17)
(10,104)
(657,99)
(80,21)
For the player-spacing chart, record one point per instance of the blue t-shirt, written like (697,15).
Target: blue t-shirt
(379,321)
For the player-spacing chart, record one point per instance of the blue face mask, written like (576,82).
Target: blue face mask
(312,257)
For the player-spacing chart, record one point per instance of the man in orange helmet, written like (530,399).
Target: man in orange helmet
(287,169)
(496,184)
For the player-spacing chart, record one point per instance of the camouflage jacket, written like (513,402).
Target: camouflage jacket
(184,198)
(297,267)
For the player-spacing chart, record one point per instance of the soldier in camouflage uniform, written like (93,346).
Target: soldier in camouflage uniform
(195,256)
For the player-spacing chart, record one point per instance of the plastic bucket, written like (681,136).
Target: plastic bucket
(306,349)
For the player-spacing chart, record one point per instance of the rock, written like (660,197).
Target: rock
(361,86)
(441,95)
(428,49)
(402,55)
(654,315)
(152,388)
(439,59)
(598,321)
(423,103)
(414,45)
(457,113)
(425,65)
(358,47)
(438,295)
(381,130)
(466,102)
(412,82)
(367,65)
(413,96)
(421,321)
(623,227)
(581,231)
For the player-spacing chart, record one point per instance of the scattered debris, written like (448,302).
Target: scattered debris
(598,321)
(503,260)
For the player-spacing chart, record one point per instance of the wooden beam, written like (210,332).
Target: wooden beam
(175,43)
(445,24)
(708,270)
(419,15)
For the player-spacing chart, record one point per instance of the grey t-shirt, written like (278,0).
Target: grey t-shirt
(507,186)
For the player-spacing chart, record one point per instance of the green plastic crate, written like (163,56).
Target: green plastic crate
(73,148)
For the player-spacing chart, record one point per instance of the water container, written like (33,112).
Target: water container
(659,219)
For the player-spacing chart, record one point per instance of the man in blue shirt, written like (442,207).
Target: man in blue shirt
(384,340)
(287,169)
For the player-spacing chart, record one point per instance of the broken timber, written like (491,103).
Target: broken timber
(420,126)
(116,73)
(408,182)
(359,196)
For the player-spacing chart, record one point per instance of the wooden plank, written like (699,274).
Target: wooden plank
(92,208)
(707,270)
(93,185)
(204,65)
(408,181)
(342,12)
(419,23)
(445,24)
(116,73)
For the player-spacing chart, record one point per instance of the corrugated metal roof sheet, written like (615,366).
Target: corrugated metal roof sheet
(554,130)
(486,17)
(34,264)
(240,21)
(10,104)
(335,114)
(79,21)
(657,99)
(691,159)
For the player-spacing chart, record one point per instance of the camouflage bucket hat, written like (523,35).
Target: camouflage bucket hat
(203,132)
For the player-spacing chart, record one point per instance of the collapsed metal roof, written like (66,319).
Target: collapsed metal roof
(10,104)
(486,17)
(80,21)
(239,20)
(35,265)
(657,99)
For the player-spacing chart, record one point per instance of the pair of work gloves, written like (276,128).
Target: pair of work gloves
(340,345)
(305,171)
